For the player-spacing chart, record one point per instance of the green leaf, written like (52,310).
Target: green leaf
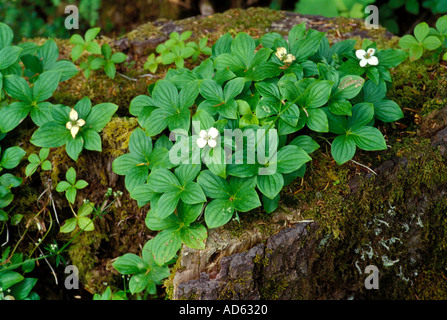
(77,39)
(69,225)
(66,68)
(140,143)
(70,194)
(218,212)
(100,115)
(187,172)
(192,194)
(167,204)
(211,90)
(387,111)
(110,69)
(317,120)
(369,139)
(213,185)
(91,34)
(163,180)
(62,186)
(9,278)
(50,135)
(194,236)
(222,45)
(243,46)
(9,56)
(316,95)
(86,224)
(130,263)
(77,51)
(431,43)
(81,184)
(85,209)
(48,54)
(270,185)
(291,158)
(233,88)
(407,42)
(46,84)
(6,35)
(165,245)
(11,115)
(153,222)
(349,87)
(74,147)
(156,122)
(270,205)
(391,58)
(70,175)
(416,53)
(138,282)
(46,165)
(17,88)
(92,140)
(15,219)
(118,57)
(362,114)
(343,148)
(306,143)
(188,213)
(11,157)
(421,31)
(340,107)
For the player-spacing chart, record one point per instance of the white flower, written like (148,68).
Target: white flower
(282,55)
(367,57)
(209,138)
(74,124)
(289,58)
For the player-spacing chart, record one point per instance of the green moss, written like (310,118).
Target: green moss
(233,287)
(273,288)
(168,283)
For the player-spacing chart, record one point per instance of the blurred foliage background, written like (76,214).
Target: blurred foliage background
(33,18)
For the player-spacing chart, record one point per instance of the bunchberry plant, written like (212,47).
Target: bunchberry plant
(10,158)
(108,295)
(80,219)
(107,62)
(426,38)
(13,284)
(71,186)
(243,124)
(176,50)
(146,273)
(86,43)
(76,128)
(38,160)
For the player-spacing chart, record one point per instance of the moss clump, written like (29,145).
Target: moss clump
(233,287)
(273,288)
(254,21)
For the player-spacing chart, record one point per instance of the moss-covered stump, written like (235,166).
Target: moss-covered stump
(394,219)
(330,225)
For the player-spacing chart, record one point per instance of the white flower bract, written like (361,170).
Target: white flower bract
(367,57)
(75,123)
(208,137)
(282,55)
